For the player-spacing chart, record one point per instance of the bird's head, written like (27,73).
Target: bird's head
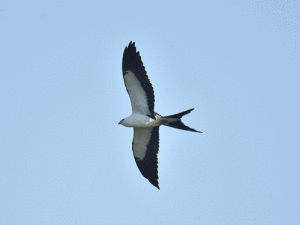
(122,120)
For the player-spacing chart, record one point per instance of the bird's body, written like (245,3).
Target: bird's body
(143,119)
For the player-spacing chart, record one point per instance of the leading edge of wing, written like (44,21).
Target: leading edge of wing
(145,147)
(132,61)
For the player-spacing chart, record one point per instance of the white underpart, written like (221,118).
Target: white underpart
(141,138)
(137,94)
(140,120)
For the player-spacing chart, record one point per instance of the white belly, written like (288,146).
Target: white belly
(140,120)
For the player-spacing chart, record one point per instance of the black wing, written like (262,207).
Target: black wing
(145,146)
(137,83)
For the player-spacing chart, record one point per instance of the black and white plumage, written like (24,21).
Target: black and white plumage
(143,119)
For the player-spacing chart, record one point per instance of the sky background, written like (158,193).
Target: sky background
(65,160)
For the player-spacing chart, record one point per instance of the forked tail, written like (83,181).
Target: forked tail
(175,121)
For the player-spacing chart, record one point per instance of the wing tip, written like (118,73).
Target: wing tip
(154,183)
(131,45)
(157,186)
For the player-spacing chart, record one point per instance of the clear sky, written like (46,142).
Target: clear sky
(65,160)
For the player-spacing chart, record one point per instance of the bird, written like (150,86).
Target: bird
(144,120)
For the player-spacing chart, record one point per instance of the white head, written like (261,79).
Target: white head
(122,120)
(126,122)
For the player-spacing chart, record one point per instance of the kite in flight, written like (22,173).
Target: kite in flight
(144,120)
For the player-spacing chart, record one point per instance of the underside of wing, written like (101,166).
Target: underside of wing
(145,146)
(137,83)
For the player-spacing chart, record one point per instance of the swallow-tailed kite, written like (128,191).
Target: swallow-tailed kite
(144,120)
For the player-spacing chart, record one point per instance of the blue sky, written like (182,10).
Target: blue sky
(64,159)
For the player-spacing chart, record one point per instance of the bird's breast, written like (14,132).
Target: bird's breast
(140,120)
